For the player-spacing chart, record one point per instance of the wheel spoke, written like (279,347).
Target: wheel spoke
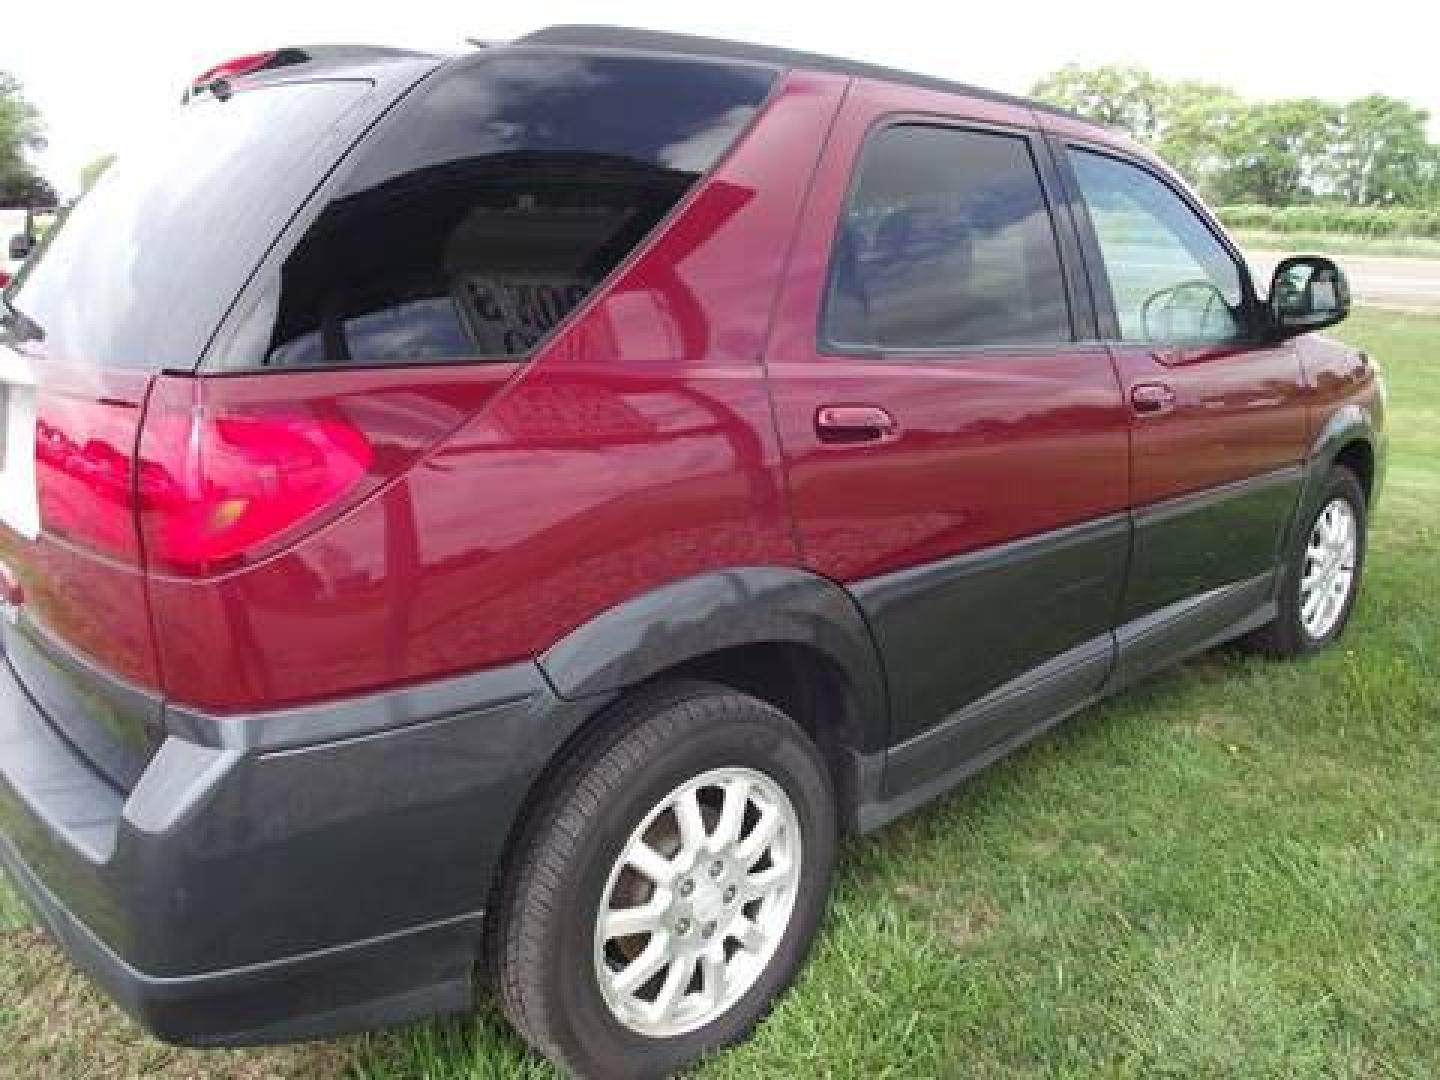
(677,978)
(760,836)
(775,876)
(691,822)
(748,933)
(650,862)
(628,922)
(643,968)
(732,814)
(712,977)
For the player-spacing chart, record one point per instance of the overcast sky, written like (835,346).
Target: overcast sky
(101,71)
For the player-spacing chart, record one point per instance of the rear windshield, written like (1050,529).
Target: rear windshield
(140,272)
(478,215)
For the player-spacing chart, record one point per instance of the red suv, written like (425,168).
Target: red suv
(511,513)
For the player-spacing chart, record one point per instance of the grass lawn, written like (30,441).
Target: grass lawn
(1416,247)
(1232,871)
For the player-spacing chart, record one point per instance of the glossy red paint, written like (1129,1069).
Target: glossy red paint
(80,575)
(1236,413)
(635,449)
(976,435)
(1337,377)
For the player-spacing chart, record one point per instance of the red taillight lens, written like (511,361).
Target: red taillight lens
(216,490)
(4,280)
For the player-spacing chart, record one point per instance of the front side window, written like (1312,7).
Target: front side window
(1171,280)
(947,244)
(483,213)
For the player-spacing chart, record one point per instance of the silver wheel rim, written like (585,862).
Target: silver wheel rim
(1329,571)
(698,902)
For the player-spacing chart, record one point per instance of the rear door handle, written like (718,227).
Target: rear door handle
(854,424)
(1150,398)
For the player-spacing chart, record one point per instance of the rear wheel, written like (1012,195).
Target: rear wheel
(669,886)
(1322,572)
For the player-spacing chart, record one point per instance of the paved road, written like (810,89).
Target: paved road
(1398,282)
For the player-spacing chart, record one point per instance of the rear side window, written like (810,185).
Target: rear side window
(141,271)
(947,244)
(482,213)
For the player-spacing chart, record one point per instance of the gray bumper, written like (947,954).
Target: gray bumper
(282,876)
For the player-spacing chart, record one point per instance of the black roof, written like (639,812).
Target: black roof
(630,40)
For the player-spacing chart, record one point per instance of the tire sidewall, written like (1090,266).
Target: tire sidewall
(585,1021)
(1340,484)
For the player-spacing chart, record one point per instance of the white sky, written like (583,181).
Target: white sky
(101,71)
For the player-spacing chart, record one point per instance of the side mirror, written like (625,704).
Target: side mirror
(20,245)
(1307,292)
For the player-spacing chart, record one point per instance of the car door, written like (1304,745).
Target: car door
(1217,413)
(956,450)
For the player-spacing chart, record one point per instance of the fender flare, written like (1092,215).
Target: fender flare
(698,616)
(1348,424)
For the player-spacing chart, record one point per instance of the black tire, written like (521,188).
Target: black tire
(1286,637)
(543,952)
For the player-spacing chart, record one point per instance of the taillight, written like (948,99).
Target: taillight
(208,491)
(214,490)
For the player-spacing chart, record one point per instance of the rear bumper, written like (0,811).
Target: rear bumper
(285,876)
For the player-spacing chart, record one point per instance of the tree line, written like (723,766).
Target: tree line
(1371,151)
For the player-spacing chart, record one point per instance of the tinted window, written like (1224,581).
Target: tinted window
(1171,279)
(141,271)
(947,243)
(483,212)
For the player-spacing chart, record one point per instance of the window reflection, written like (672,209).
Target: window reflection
(1171,280)
(947,243)
(489,209)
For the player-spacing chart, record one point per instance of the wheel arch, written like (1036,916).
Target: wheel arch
(1348,437)
(786,636)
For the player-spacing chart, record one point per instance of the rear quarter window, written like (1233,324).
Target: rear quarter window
(475,218)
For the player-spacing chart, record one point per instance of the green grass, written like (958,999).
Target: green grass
(1323,218)
(1232,871)
(1413,247)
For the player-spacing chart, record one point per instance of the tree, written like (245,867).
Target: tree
(21,134)
(96,169)
(1128,98)
(1275,152)
(1373,151)
(1382,155)
(1193,139)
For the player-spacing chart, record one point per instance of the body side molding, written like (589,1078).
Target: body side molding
(702,615)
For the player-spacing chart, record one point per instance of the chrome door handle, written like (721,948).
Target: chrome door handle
(854,424)
(1150,398)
